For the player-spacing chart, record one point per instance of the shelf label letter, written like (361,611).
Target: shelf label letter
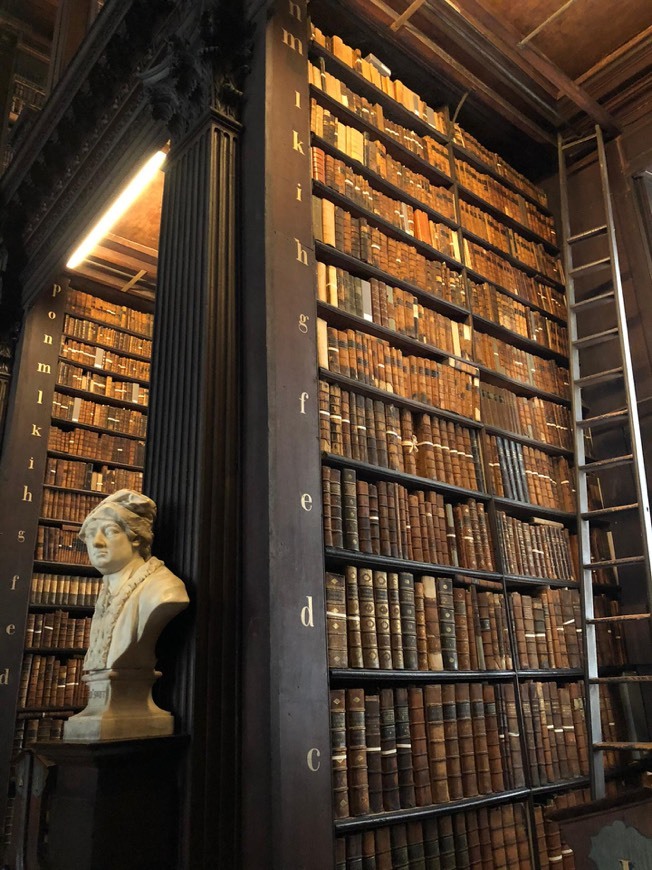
(299,192)
(11,629)
(52,315)
(27,495)
(292,41)
(297,144)
(36,430)
(625,864)
(56,289)
(47,339)
(14,580)
(307,615)
(303,323)
(31,463)
(39,401)
(302,399)
(4,679)
(306,502)
(297,100)
(45,368)
(294,10)
(313,760)
(21,536)
(302,254)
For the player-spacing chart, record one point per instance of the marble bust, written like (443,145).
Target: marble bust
(139,596)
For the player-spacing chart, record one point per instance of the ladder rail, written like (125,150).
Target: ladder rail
(592,690)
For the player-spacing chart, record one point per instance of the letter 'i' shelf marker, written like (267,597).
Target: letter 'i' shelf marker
(117,208)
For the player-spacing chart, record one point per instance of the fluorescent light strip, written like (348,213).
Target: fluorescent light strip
(117,208)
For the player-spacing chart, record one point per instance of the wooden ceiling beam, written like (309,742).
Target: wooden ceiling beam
(405,16)
(474,11)
(545,23)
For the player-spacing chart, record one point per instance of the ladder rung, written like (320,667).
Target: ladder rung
(615,563)
(600,299)
(596,338)
(607,512)
(612,462)
(572,143)
(613,418)
(645,747)
(600,377)
(623,617)
(593,266)
(625,678)
(587,234)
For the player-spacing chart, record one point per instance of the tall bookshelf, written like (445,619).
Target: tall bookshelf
(94,445)
(455,647)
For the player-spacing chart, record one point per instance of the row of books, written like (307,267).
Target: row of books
(87,475)
(112,338)
(360,238)
(382,434)
(451,385)
(98,445)
(104,360)
(555,731)
(104,385)
(335,285)
(37,729)
(487,838)
(65,590)
(551,850)
(492,267)
(57,630)
(394,621)
(76,410)
(379,75)
(72,507)
(517,471)
(87,305)
(393,308)
(47,681)
(527,368)
(343,178)
(537,548)
(548,629)
(383,145)
(490,303)
(388,519)
(534,417)
(60,544)
(490,228)
(510,203)
(413,747)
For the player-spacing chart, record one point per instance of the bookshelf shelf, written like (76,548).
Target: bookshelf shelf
(365,823)
(412,480)
(478,276)
(482,324)
(550,674)
(385,226)
(560,785)
(77,490)
(509,258)
(109,325)
(74,424)
(101,346)
(94,460)
(54,521)
(356,676)
(379,183)
(56,651)
(336,556)
(525,509)
(331,255)
(524,439)
(99,397)
(376,393)
(82,609)
(517,580)
(402,154)
(343,320)
(65,568)
(39,711)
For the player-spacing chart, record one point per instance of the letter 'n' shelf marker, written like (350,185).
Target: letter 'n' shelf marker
(117,208)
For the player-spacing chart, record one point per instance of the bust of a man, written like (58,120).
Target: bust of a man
(139,594)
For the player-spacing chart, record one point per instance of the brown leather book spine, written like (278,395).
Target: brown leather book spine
(431,843)
(325,423)
(480,742)
(339,753)
(336,621)
(466,739)
(415,846)
(436,743)
(388,751)
(433,639)
(374,519)
(453,760)
(420,620)
(398,837)
(350,510)
(408,620)
(498,845)
(404,748)
(368,635)
(374,761)
(357,752)
(381,601)
(354,638)
(447,857)
(340,854)
(364,522)
(462,643)
(395,625)
(383,849)
(417,720)
(447,624)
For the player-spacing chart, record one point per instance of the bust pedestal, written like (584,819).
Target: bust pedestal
(119,706)
(114,804)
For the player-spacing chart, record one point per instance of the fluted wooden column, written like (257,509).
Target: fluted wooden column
(192,454)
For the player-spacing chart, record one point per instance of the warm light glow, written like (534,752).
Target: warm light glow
(118,208)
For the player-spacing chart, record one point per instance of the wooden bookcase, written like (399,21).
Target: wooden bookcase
(482,302)
(93,443)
